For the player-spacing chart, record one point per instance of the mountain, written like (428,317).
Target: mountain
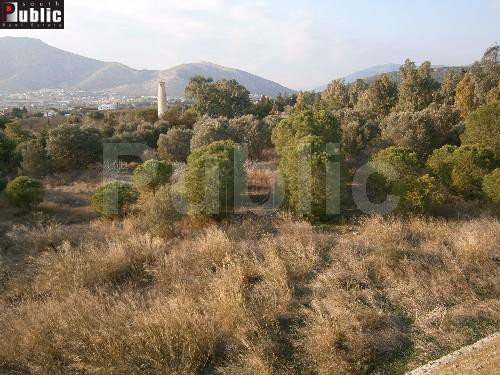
(31,64)
(366,73)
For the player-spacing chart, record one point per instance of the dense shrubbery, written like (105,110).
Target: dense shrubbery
(162,211)
(114,198)
(254,133)
(35,160)
(482,127)
(214,179)
(7,148)
(208,130)
(463,168)
(73,147)
(308,143)
(491,186)
(152,174)
(422,131)
(175,145)
(357,131)
(23,192)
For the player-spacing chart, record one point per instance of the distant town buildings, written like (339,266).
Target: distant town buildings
(106,107)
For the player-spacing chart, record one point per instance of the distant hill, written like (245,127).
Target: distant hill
(31,64)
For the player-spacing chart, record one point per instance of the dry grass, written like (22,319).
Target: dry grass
(258,296)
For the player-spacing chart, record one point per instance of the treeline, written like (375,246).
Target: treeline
(427,142)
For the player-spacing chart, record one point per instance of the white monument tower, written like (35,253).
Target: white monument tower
(162,99)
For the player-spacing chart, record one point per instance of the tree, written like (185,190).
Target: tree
(463,168)
(483,127)
(448,89)
(421,131)
(175,145)
(221,98)
(379,98)
(24,192)
(254,133)
(307,143)
(113,199)
(147,114)
(465,99)
(395,163)
(7,148)
(214,179)
(420,195)
(150,175)
(355,90)
(417,87)
(181,116)
(357,131)
(35,160)
(208,130)
(491,186)
(335,96)
(73,147)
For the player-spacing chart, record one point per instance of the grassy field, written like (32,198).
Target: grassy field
(249,295)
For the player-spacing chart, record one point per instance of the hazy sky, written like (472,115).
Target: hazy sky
(299,43)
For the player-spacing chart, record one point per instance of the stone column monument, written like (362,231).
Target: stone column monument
(162,99)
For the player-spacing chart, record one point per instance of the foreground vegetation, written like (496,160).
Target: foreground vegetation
(253,296)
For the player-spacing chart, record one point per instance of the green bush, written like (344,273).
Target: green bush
(7,148)
(114,198)
(491,186)
(162,211)
(253,132)
(398,174)
(73,147)
(209,130)
(420,195)
(482,127)
(35,160)
(175,145)
(150,175)
(463,168)
(24,192)
(207,192)
(395,163)
(147,114)
(301,141)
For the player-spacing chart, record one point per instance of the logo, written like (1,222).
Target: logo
(40,14)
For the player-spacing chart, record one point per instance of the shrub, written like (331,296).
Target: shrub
(422,131)
(301,141)
(463,168)
(213,179)
(73,147)
(209,130)
(162,211)
(482,127)
(7,147)
(255,133)
(357,132)
(147,114)
(420,195)
(24,192)
(396,162)
(491,186)
(35,160)
(150,175)
(175,145)
(398,174)
(114,198)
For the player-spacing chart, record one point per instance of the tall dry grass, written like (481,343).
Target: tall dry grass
(253,296)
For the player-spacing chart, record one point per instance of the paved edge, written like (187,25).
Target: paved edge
(434,365)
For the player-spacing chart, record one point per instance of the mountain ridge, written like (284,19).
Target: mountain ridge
(34,65)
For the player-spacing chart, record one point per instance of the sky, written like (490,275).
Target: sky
(299,43)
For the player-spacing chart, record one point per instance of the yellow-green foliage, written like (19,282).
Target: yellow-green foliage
(491,186)
(308,143)
(482,127)
(114,198)
(152,174)
(24,192)
(214,179)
